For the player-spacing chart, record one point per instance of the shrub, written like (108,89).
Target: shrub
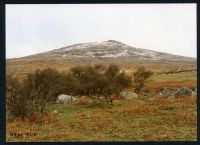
(83,101)
(15,103)
(112,71)
(123,79)
(30,98)
(91,82)
(86,80)
(117,80)
(141,78)
(44,84)
(100,67)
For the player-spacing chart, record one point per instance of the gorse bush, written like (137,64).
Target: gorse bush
(95,84)
(112,71)
(30,98)
(141,78)
(15,103)
(42,87)
(100,67)
(124,80)
(45,84)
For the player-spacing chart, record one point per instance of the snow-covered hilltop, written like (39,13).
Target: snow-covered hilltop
(110,49)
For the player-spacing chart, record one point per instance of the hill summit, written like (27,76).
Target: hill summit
(109,49)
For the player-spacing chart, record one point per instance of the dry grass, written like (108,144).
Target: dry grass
(172,84)
(138,120)
(23,66)
(83,101)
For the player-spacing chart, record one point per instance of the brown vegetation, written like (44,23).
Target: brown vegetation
(124,120)
(141,77)
(30,98)
(159,120)
(174,84)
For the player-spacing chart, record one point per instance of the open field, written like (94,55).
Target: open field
(174,80)
(21,67)
(138,120)
(125,120)
(182,76)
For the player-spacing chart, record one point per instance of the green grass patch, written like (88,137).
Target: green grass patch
(175,76)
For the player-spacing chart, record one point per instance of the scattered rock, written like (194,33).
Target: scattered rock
(65,98)
(128,95)
(171,93)
(184,91)
(195,89)
(164,93)
(55,112)
(122,94)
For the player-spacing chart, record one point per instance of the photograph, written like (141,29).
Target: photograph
(101,72)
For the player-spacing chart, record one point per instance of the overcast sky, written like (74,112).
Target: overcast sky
(32,29)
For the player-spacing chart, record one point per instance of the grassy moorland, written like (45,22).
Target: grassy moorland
(175,80)
(21,67)
(125,120)
(191,75)
(138,120)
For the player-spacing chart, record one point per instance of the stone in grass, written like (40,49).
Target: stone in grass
(128,95)
(65,98)
(55,111)
(184,91)
(163,93)
(195,89)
